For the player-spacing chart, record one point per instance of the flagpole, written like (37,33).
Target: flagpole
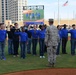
(58,14)
(67,12)
(68,16)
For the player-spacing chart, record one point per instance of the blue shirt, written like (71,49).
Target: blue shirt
(23,36)
(38,14)
(27,15)
(64,33)
(34,33)
(42,34)
(60,34)
(32,14)
(73,33)
(2,35)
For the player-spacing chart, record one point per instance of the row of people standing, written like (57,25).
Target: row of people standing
(35,36)
(73,39)
(16,36)
(38,34)
(63,33)
(54,38)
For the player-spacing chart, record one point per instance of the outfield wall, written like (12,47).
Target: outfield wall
(68,22)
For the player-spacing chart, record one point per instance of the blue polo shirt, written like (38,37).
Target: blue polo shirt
(2,35)
(73,33)
(60,34)
(34,33)
(41,34)
(64,33)
(23,36)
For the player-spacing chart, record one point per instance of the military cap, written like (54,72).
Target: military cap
(51,20)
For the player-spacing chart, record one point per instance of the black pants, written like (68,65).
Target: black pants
(34,45)
(16,46)
(45,48)
(64,43)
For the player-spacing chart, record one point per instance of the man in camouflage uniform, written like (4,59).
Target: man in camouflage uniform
(51,41)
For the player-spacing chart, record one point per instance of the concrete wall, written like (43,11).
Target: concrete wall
(68,22)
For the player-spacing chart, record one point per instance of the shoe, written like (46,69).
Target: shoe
(58,55)
(22,57)
(53,65)
(64,53)
(4,59)
(28,52)
(17,55)
(49,65)
(41,56)
(14,56)
(73,54)
(34,54)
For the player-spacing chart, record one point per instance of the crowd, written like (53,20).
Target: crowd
(56,37)
(63,33)
(27,37)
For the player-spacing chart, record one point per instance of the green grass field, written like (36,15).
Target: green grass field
(12,64)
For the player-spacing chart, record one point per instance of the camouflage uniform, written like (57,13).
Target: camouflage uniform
(51,40)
